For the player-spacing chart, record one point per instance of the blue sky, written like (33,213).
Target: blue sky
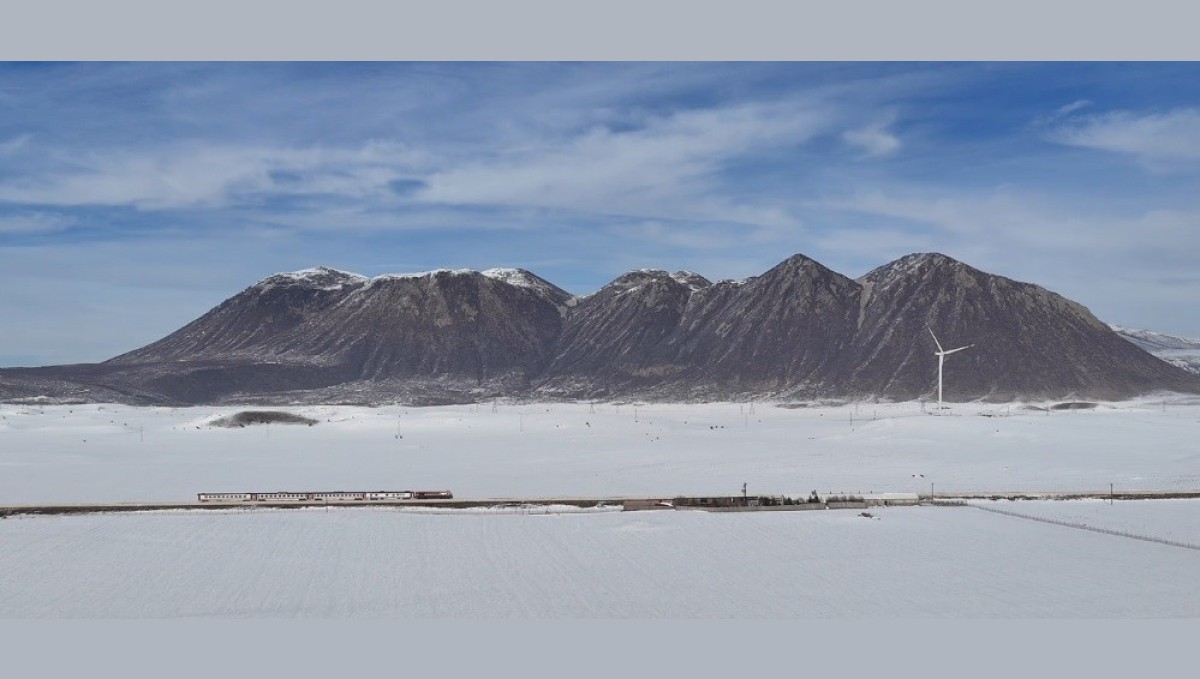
(134,197)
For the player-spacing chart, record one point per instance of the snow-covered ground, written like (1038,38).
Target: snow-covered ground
(905,562)
(110,453)
(1173,520)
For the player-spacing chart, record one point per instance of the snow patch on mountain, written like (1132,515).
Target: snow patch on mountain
(1177,350)
(421,274)
(325,278)
(321,277)
(523,279)
(693,280)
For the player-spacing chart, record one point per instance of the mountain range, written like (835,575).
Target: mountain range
(799,331)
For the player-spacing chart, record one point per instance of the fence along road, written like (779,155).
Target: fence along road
(1094,529)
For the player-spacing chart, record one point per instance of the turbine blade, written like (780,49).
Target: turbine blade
(958,349)
(935,341)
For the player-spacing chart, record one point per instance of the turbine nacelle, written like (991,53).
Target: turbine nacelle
(947,353)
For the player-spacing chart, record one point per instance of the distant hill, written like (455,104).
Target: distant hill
(1180,351)
(798,331)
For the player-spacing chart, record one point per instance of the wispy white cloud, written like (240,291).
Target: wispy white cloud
(1159,140)
(1072,107)
(874,244)
(9,147)
(592,169)
(665,168)
(873,139)
(662,167)
(1005,219)
(25,223)
(697,237)
(200,175)
(1110,260)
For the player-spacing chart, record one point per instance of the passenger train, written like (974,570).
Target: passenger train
(328,496)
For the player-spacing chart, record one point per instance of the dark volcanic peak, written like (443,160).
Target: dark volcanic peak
(244,323)
(1028,341)
(799,330)
(678,335)
(680,282)
(631,279)
(323,277)
(781,332)
(796,262)
(318,327)
(463,324)
(530,281)
(798,270)
(613,339)
(693,280)
(918,264)
(320,277)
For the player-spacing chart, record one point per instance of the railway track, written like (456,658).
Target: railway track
(462,503)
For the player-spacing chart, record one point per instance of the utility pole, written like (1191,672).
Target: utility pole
(744,493)
(1110,494)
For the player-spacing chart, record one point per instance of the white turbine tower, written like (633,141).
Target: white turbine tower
(942,354)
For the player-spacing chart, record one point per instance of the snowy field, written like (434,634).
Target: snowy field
(906,562)
(110,453)
(1173,520)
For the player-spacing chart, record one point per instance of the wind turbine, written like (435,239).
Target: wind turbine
(942,354)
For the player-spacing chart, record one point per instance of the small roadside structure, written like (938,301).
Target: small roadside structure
(890,499)
(711,501)
(644,504)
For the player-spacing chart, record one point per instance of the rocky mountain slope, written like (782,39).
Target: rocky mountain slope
(1027,340)
(798,331)
(679,336)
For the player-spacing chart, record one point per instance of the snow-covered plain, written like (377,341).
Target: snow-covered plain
(109,453)
(905,562)
(1173,520)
